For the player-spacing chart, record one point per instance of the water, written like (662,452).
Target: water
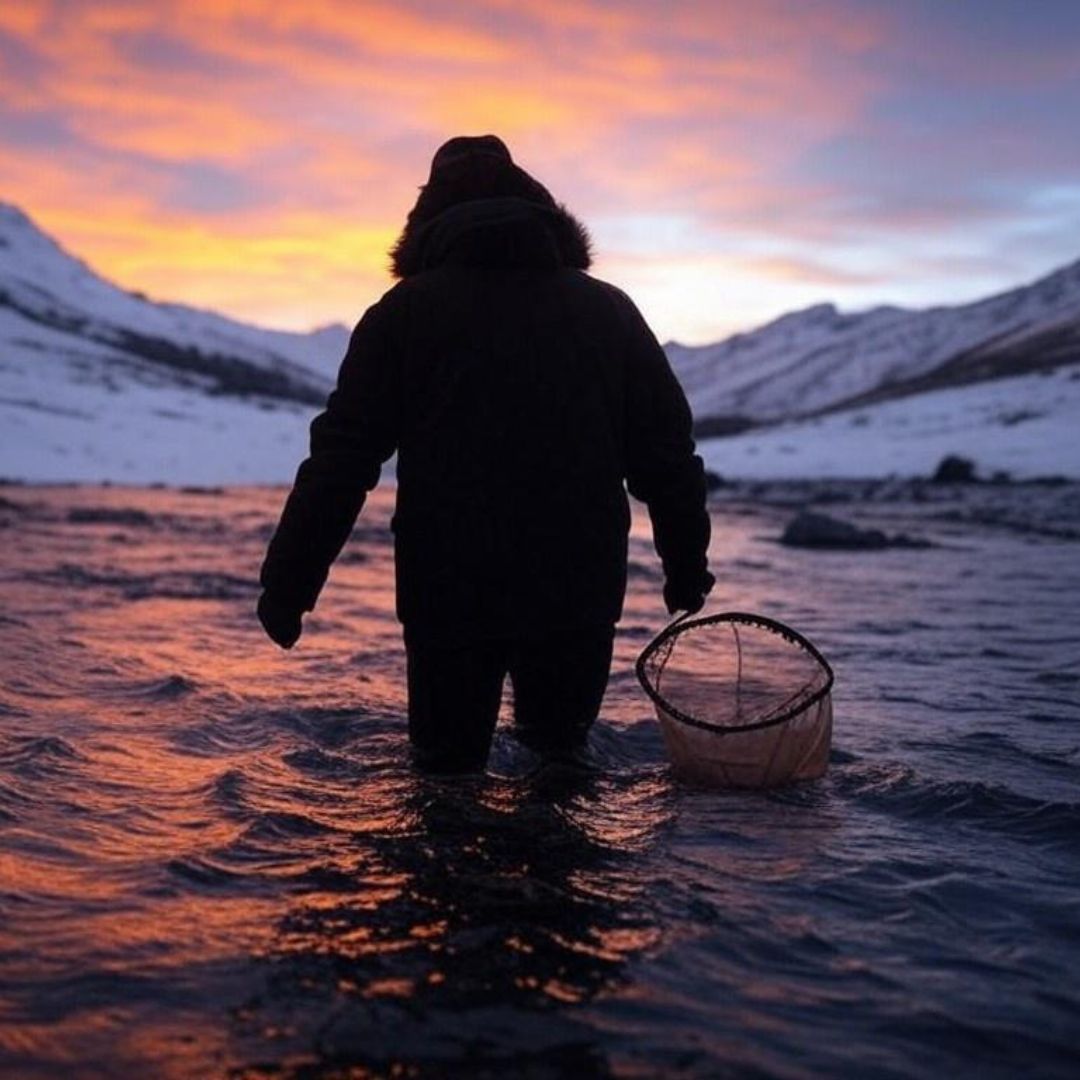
(216,861)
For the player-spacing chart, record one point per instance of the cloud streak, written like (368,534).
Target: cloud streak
(259,157)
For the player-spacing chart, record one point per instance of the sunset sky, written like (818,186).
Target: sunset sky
(733,160)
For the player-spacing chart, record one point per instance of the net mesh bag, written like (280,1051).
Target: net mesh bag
(743,701)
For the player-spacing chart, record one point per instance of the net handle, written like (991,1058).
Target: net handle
(681,623)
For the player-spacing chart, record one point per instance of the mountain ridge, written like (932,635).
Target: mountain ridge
(99,382)
(45,283)
(819,360)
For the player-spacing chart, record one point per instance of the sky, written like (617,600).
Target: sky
(732,161)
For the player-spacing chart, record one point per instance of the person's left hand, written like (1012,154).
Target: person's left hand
(680,596)
(282,623)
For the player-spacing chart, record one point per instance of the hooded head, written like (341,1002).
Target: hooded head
(481,149)
(468,168)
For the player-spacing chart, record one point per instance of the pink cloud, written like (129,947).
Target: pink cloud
(296,135)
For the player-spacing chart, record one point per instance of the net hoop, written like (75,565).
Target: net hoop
(667,637)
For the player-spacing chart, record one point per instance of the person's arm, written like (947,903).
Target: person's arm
(350,440)
(662,469)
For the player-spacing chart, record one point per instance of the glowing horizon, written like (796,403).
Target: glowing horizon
(732,162)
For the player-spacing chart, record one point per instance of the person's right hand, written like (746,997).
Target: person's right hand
(283,624)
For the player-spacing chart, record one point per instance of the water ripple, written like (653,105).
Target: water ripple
(218,861)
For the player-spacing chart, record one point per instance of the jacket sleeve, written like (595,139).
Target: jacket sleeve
(350,440)
(662,469)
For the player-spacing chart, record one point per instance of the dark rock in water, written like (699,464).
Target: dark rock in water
(953,469)
(714,481)
(108,515)
(828,496)
(1001,476)
(809,530)
(821,531)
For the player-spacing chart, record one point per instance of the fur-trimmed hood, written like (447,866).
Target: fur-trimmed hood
(507,232)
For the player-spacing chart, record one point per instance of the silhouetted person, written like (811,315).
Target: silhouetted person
(519,393)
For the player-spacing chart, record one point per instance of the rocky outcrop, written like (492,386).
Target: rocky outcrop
(820,531)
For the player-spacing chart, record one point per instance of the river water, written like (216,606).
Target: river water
(215,860)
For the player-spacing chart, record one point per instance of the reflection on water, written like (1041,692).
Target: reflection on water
(215,859)
(487,903)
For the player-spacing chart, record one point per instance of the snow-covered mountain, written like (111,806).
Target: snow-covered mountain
(100,383)
(817,360)
(821,393)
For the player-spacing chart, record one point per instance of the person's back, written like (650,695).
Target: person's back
(519,394)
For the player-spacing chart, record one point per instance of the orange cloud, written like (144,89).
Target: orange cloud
(260,156)
(22,20)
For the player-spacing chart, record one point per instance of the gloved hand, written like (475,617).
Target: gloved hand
(281,622)
(679,596)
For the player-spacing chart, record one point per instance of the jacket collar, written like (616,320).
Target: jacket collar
(505,233)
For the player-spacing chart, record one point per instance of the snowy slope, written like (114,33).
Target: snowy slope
(98,383)
(1026,426)
(43,282)
(810,361)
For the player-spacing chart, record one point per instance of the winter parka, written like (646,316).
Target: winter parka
(523,397)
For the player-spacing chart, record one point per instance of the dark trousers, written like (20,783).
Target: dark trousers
(455,690)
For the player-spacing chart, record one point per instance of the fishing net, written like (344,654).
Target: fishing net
(742,700)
